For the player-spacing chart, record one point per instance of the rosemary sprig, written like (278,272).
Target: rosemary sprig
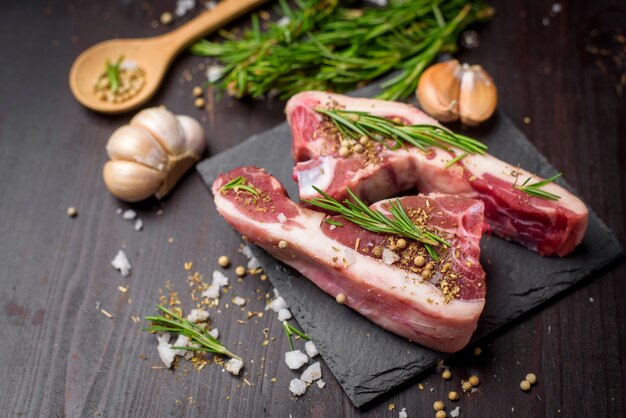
(327,47)
(359,213)
(176,324)
(357,124)
(239,183)
(534,189)
(456,159)
(113,73)
(290,330)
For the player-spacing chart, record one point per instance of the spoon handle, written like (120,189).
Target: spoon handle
(225,12)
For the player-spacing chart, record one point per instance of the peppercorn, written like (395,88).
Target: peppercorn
(531,378)
(282,244)
(477,351)
(197,91)
(199,103)
(419,261)
(446,375)
(466,386)
(474,381)
(240,271)
(223,261)
(401,243)
(453,396)
(440,414)
(166,18)
(341,298)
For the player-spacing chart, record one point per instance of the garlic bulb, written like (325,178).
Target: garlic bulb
(449,91)
(148,156)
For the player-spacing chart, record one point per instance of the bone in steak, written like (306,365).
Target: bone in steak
(548,227)
(436,304)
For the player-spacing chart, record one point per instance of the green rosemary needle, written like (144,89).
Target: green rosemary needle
(239,183)
(357,124)
(456,159)
(290,330)
(357,212)
(534,189)
(175,324)
(332,222)
(113,73)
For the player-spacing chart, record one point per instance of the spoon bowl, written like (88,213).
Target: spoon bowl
(153,55)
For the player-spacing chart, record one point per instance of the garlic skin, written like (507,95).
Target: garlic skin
(478,96)
(150,155)
(449,91)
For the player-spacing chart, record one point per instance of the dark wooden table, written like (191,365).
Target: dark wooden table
(61,357)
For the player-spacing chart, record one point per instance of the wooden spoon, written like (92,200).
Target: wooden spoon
(154,55)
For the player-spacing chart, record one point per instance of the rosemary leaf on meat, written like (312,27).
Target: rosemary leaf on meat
(534,189)
(171,322)
(291,330)
(357,124)
(239,183)
(357,212)
(319,45)
(456,159)
(332,222)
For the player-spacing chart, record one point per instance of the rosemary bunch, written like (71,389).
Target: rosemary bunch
(357,212)
(176,324)
(326,47)
(357,124)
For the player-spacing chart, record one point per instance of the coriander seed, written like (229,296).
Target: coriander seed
(446,375)
(199,103)
(427,274)
(477,351)
(419,261)
(197,91)
(282,244)
(453,396)
(524,385)
(440,414)
(401,243)
(358,148)
(438,406)
(223,261)
(344,152)
(474,381)
(364,140)
(240,271)
(166,18)
(531,378)
(466,386)
(341,298)
(72,212)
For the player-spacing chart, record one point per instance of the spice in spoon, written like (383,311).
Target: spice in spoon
(120,81)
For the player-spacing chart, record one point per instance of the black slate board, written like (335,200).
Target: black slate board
(518,280)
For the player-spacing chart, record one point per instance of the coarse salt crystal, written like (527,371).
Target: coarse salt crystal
(138,225)
(166,354)
(277,304)
(239,301)
(380,3)
(129,215)
(219,279)
(284,314)
(332,227)
(247,251)
(297,387)
(214,72)
(214,333)
(310,349)
(233,366)
(118,211)
(282,218)
(121,263)
(402,413)
(283,21)
(295,359)
(128,65)
(212,292)
(253,263)
(389,257)
(321,383)
(312,373)
(349,256)
(183,6)
(210,5)
(198,315)
(181,341)
(455,412)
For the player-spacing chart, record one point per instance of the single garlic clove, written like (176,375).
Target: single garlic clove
(438,90)
(163,126)
(131,181)
(478,96)
(193,134)
(133,143)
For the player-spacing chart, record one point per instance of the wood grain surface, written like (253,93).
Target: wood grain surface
(62,357)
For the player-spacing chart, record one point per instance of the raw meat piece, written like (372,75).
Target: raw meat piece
(548,227)
(438,309)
